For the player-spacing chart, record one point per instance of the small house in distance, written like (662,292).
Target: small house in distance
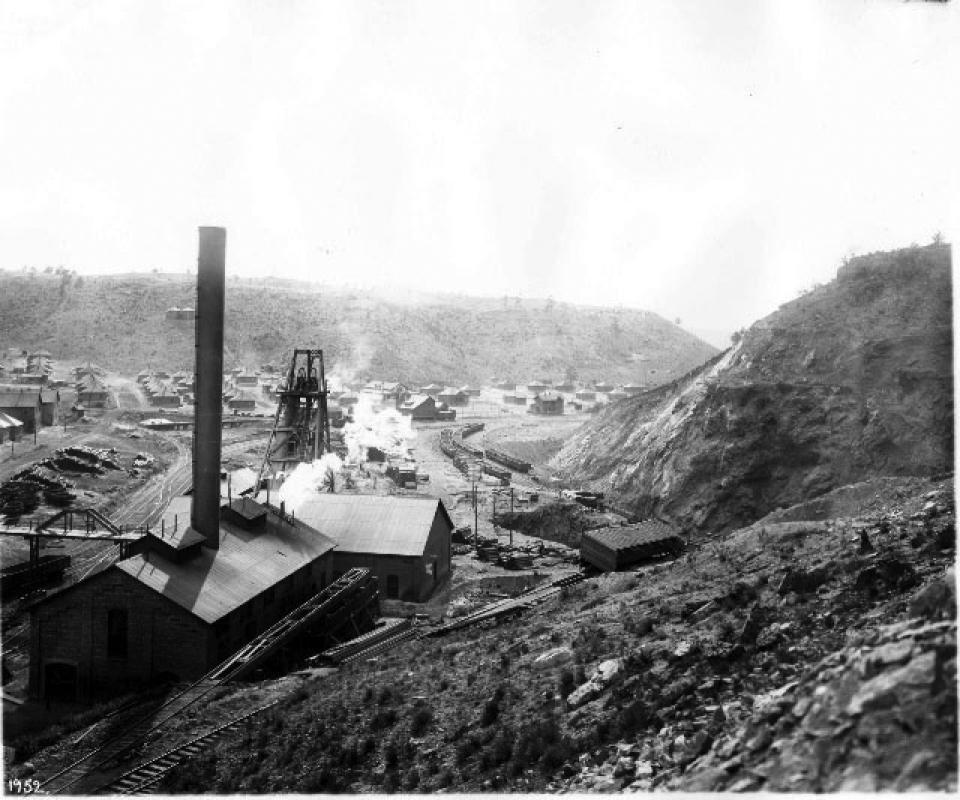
(92,392)
(242,401)
(419,406)
(549,403)
(453,397)
(610,549)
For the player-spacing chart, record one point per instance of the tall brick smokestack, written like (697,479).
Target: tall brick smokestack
(208,375)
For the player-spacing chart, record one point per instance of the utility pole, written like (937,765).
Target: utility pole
(476,535)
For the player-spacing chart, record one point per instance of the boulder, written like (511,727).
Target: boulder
(887,655)
(583,694)
(886,689)
(937,599)
(608,671)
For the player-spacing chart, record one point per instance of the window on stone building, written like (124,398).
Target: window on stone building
(117,633)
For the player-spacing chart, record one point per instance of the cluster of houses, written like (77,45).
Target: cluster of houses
(29,393)
(166,390)
(24,367)
(543,397)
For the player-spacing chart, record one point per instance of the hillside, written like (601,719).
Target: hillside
(850,381)
(120,322)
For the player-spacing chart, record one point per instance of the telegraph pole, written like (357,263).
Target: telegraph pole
(476,533)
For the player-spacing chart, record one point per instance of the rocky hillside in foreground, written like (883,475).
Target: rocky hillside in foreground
(120,323)
(850,381)
(806,653)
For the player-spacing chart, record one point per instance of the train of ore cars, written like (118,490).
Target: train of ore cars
(466,455)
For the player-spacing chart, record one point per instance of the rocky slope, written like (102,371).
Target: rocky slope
(803,653)
(852,380)
(120,323)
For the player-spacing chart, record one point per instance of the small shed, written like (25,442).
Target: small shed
(603,386)
(611,549)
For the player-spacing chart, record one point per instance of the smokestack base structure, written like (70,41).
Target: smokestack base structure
(208,374)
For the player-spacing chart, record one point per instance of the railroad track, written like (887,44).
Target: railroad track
(144,778)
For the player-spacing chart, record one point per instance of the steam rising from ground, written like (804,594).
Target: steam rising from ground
(388,430)
(307,480)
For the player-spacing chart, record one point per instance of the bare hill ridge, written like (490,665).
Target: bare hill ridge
(120,322)
(849,381)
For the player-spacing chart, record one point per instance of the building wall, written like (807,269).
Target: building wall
(162,636)
(48,413)
(416,576)
(72,628)
(598,554)
(95,398)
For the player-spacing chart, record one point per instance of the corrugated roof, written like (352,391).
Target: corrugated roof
(630,536)
(215,582)
(376,524)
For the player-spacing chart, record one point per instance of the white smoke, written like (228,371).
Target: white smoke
(307,480)
(387,430)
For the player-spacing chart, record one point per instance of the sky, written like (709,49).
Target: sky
(703,160)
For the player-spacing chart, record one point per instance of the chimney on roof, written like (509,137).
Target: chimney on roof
(205,508)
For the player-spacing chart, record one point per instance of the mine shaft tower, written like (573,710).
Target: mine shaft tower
(301,427)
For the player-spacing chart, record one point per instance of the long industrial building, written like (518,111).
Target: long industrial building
(189,596)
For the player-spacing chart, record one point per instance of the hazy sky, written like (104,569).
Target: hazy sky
(704,160)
